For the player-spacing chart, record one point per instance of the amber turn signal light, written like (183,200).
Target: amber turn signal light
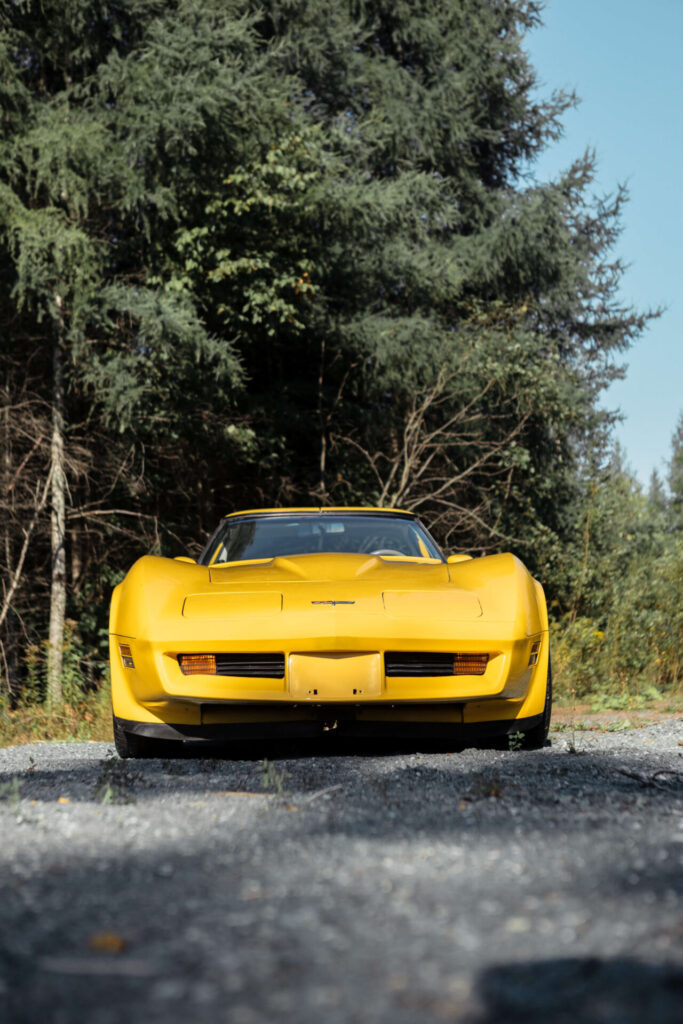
(469,664)
(126,656)
(197,664)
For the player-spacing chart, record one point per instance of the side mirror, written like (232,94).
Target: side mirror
(452,559)
(185,558)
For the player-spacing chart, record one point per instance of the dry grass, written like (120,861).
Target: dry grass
(87,719)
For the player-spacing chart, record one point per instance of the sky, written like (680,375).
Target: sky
(623,59)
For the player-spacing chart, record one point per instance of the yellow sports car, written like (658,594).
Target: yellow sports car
(296,621)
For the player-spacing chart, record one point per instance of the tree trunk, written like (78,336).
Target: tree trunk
(57,525)
(76,546)
(323,425)
(7,476)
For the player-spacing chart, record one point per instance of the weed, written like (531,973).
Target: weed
(11,791)
(115,782)
(571,746)
(621,726)
(573,727)
(624,701)
(515,741)
(273,778)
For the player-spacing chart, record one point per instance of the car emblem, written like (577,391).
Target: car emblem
(333,602)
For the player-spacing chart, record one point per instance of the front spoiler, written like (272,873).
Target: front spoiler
(331,718)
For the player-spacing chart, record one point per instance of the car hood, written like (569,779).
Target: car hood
(367,569)
(342,593)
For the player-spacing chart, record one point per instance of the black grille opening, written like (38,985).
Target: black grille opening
(430,663)
(417,663)
(270,666)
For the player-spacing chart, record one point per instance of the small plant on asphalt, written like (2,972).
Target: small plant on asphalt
(571,743)
(273,778)
(115,782)
(515,741)
(11,791)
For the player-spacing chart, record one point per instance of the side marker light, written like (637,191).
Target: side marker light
(126,656)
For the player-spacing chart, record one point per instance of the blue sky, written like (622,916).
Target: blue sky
(623,59)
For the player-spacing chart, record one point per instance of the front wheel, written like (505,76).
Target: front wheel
(536,738)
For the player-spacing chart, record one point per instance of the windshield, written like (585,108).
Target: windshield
(238,540)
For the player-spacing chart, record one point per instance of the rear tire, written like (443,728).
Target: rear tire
(536,738)
(129,744)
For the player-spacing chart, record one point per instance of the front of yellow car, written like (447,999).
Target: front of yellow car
(313,634)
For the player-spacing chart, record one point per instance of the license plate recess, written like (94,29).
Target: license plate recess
(337,676)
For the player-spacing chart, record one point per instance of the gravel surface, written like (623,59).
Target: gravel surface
(345,883)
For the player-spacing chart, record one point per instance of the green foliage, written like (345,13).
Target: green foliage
(273,778)
(10,791)
(621,634)
(296,253)
(623,702)
(516,741)
(116,781)
(83,669)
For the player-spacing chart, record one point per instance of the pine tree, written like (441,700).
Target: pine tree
(439,311)
(108,111)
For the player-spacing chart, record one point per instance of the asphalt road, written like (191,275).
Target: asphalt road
(345,884)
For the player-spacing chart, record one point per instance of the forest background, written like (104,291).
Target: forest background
(294,252)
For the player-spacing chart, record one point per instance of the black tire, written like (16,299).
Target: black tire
(536,738)
(129,744)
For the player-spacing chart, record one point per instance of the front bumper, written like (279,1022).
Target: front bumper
(351,690)
(343,720)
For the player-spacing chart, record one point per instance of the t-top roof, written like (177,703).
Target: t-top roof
(320,509)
